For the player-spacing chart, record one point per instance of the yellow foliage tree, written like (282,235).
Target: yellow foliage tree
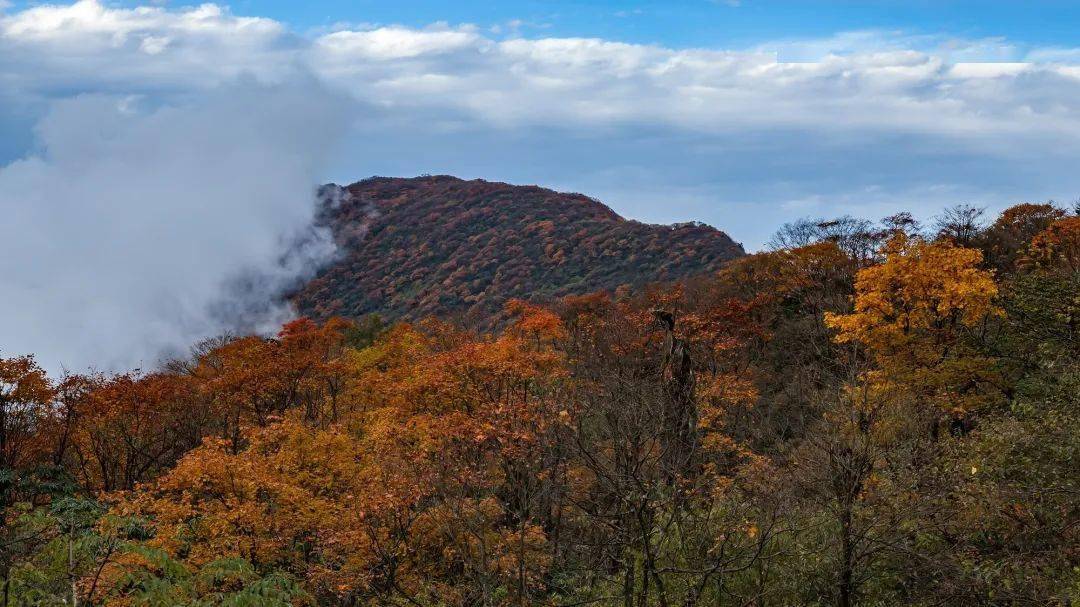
(913,313)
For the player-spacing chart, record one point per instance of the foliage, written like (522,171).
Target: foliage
(769,432)
(440,246)
(914,312)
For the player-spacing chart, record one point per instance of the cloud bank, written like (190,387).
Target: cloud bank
(136,231)
(854,81)
(866,123)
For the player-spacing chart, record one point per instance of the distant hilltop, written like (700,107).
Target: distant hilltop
(447,247)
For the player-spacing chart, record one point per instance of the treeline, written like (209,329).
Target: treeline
(869,414)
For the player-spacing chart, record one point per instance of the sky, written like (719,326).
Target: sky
(156,158)
(688,23)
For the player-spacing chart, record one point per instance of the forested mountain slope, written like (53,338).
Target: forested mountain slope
(452,248)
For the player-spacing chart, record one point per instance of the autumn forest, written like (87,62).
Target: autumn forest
(865,413)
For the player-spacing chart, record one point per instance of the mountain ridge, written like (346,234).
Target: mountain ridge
(454,248)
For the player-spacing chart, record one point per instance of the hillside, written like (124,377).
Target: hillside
(454,248)
(791,437)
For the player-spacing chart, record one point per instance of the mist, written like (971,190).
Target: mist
(136,228)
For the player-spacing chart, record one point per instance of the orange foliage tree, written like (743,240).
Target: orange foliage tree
(1058,246)
(1007,239)
(435,482)
(127,429)
(25,396)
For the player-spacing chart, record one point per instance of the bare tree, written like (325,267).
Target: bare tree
(961,224)
(854,236)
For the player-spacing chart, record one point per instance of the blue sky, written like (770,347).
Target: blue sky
(742,115)
(695,23)
(709,23)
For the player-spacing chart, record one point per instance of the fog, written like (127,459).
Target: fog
(134,229)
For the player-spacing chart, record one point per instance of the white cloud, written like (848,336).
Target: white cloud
(867,81)
(89,21)
(93,47)
(872,41)
(389,43)
(140,230)
(153,45)
(879,80)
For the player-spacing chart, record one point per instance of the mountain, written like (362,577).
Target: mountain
(452,248)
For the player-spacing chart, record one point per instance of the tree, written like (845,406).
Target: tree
(857,238)
(1008,237)
(25,396)
(960,225)
(915,314)
(1004,499)
(661,507)
(1058,246)
(128,428)
(434,485)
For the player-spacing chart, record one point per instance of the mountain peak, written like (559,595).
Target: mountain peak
(442,246)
